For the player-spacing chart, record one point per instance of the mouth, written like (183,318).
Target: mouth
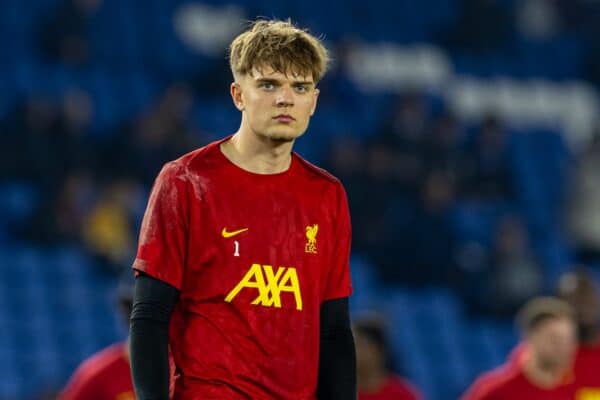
(284,118)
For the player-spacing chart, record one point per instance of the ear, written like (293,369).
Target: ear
(314,105)
(236,95)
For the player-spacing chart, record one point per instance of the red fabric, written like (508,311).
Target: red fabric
(104,376)
(516,356)
(235,244)
(394,388)
(509,382)
(587,368)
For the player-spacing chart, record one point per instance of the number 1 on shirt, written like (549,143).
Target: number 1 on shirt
(236,252)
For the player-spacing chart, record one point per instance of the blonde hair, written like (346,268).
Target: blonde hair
(541,309)
(281,46)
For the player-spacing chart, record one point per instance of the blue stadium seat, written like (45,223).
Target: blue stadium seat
(17,202)
(366,288)
(477,220)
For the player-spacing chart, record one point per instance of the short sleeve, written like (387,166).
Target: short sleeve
(164,233)
(338,283)
(482,388)
(82,385)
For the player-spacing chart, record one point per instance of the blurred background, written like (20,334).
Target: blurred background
(465,131)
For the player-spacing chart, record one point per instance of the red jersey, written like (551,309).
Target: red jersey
(587,372)
(104,376)
(394,388)
(509,382)
(253,257)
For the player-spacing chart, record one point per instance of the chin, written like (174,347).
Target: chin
(282,136)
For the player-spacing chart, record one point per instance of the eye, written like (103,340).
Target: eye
(266,86)
(301,88)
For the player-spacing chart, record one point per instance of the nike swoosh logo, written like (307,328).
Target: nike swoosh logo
(226,234)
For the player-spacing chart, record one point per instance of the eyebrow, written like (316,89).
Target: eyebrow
(276,81)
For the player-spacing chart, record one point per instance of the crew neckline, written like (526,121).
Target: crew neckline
(239,169)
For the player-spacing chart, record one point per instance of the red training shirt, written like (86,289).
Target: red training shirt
(253,257)
(394,388)
(509,382)
(586,371)
(104,376)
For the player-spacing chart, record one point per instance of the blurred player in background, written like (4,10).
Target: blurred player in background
(579,289)
(106,375)
(375,380)
(242,264)
(544,369)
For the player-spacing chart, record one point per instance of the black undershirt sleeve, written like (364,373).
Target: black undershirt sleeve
(153,302)
(337,358)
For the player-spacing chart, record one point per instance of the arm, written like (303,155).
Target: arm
(337,359)
(153,303)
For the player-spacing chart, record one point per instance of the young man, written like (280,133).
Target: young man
(580,290)
(544,370)
(374,378)
(243,255)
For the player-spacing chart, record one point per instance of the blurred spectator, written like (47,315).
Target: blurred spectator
(26,140)
(444,148)
(376,381)
(543,371)
(515,276)
(380,187)
(415,243)
(163,133)
(108,229)
(45,141)
(348,161)
(59,217)
(402,140)
(431,237)
(580,290)
(486,171)
(64,35)
(583,216)
(510,275)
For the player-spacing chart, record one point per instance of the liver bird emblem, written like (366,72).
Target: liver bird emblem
(311,236)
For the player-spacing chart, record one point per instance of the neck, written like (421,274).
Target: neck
(545,376)
(257,154)
(371,380)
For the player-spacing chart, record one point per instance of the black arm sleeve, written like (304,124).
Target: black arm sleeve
(337,358)
(153,302)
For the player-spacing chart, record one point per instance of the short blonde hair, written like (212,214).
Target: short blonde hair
(281,46)
(540,309)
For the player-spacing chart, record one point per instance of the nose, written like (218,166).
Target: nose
(285,97)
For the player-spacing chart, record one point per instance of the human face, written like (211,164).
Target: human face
(274,105)
(554,343)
